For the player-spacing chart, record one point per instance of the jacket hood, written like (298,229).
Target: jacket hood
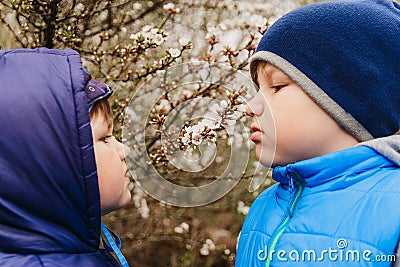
(49,190)
(387,146)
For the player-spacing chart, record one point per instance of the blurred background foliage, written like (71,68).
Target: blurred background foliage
(124,43)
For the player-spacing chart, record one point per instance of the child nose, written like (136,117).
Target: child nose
(254,107)
(124,151)
(249,111)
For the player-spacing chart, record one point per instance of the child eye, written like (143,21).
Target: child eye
(106,138)
(277,88)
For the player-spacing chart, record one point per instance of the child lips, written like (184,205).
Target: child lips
(255,128)
(257,133)
(256,136)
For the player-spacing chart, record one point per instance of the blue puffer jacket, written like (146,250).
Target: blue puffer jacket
(49,196)
(341,209)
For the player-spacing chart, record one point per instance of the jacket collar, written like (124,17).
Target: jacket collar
(320,170)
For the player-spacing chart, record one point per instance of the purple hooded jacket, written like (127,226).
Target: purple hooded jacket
(49,195)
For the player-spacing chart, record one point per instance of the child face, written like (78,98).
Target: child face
(287,125)
(111,168)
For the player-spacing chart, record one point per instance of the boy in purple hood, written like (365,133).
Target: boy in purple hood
(60,166)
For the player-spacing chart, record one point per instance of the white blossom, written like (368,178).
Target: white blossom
(186,137)
(178,230)
(131,185)
(169,6)
(174,52)
(196,138)
(222,26)
(133,36)
(185,226)
(210,243)
(164,106)
(79,7)
(204,251)
(158,39)
(103,15)
(207,246)
(189,152)
(182,228)
(154,31)
(144,209)
(147,28)
(140,202)
(211,123)
(256,20)
(242,208)
(137,6)
(184,41)
(198,128)
(241,108)
(223,104)
(187,93)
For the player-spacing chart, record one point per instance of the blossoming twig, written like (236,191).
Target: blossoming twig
(223,116)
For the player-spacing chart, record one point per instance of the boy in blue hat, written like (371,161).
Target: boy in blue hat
(327,118)
(60,166)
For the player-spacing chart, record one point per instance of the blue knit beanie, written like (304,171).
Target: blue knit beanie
(346,56)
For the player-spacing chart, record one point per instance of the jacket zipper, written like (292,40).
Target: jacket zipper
(289,214)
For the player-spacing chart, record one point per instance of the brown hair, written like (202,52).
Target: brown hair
(102,108)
